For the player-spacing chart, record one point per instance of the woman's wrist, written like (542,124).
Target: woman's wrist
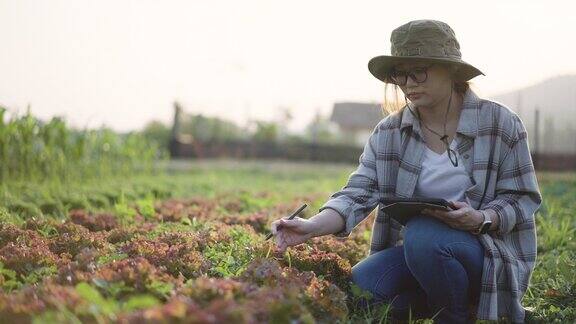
(482,214)
(491,215)
(494,218)
(479,219)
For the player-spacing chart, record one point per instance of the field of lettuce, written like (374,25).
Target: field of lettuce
(188,246)
(109,236)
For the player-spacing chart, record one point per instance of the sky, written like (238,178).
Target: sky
(123,63)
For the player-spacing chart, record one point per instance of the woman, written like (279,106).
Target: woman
(444,143)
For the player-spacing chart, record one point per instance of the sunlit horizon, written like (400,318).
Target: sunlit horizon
(124,63)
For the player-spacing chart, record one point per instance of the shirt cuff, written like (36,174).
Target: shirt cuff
(504,225)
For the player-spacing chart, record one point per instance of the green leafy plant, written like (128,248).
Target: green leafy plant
(8,279)
(98,304)
(231,258)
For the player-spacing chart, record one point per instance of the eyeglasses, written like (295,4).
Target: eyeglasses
(444,138)
(419,75)
(451,153)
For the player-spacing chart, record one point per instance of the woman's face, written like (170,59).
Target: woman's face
(433,90)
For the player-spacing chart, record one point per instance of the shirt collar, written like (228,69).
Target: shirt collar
(468,123)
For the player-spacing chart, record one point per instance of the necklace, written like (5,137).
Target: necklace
(443,138)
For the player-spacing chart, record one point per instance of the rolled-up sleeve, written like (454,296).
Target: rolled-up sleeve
(360,195)
(517,193)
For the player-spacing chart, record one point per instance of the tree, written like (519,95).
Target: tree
(157,132)
(320,130)
(266,131)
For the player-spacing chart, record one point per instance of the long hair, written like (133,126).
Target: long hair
(391,105)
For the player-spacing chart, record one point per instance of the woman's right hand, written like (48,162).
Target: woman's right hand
(290,232)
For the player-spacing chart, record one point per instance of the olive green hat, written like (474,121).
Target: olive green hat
(430,41)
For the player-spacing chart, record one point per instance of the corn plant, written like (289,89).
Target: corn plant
(31,149)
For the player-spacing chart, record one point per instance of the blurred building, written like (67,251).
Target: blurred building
(356,120)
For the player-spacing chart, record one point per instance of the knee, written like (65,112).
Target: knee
(360,276)
(382,273)
(420,245)
(379,285)
(416,234)
(418,251)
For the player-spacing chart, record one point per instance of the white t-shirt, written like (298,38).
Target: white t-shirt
(439,178)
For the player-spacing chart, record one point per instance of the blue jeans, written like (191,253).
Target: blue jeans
(437,271)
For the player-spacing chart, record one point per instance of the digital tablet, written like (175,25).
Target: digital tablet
(402,209)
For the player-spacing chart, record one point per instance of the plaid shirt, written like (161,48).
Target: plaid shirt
(389,167)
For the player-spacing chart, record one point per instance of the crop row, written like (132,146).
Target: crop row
(31,149)
(186,260)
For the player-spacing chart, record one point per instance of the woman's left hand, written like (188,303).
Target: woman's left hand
(463,218)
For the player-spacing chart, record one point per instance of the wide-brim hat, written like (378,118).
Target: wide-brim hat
(426,40)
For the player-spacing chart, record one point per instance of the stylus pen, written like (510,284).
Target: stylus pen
(291,217)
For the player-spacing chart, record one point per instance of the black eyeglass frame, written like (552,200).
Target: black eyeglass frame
(452,155)
(394,74)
